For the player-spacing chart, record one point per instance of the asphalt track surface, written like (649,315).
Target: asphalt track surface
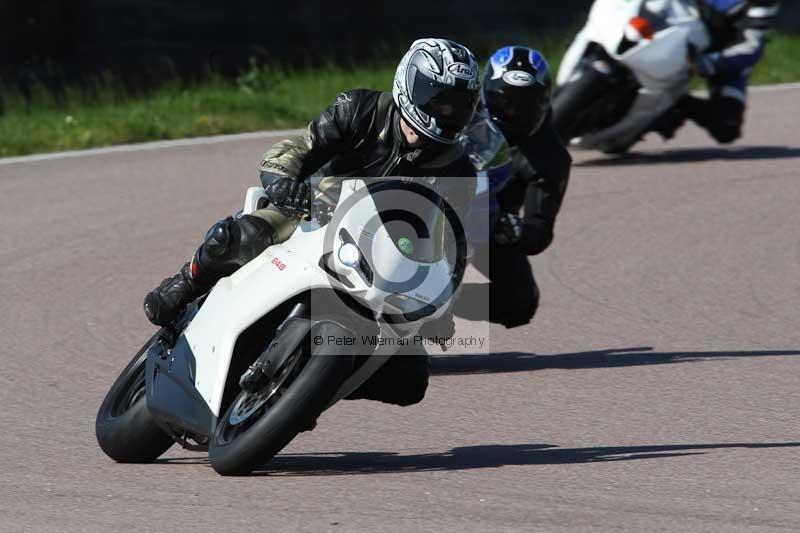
(657,390)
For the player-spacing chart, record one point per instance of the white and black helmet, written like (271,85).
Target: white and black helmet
(436,88)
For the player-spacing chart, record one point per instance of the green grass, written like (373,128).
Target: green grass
(259,99)
(781,63)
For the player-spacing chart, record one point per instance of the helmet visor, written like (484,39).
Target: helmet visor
(516,111)
(451,108)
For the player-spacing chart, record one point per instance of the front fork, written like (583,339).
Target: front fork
(292,331)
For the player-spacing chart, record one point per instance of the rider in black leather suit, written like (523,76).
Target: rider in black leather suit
(411,132)
(516,99)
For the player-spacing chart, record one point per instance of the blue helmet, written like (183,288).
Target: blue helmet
(516,89)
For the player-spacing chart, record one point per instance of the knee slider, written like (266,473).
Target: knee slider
(727,133)
(525,307)
(534,302)
(520,311)
(727,124)
(412,396)
(410,391)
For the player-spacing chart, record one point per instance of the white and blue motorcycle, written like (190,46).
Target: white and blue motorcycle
(626,68)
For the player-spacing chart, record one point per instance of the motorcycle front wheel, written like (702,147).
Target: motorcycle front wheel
(573,103)
(125,429)
(258,425)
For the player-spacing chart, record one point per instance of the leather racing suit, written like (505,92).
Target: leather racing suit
(540,173)
(357,135)
(738,40)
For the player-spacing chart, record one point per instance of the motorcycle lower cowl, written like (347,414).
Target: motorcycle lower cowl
(172,397)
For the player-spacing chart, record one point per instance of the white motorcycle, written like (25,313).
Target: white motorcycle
(320,313)
(626,68)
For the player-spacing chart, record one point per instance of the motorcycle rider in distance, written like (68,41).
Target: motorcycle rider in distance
(410,132)
(516,112)
(739,30)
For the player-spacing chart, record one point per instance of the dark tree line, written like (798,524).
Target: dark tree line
(143,42)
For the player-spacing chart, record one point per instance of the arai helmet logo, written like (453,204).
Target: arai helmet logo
(518,78)
(461,70)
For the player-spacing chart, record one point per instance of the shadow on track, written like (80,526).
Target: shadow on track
(476,457)
(524,362)
(470,458)
(696,155)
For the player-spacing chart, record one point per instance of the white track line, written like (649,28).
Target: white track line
(158,145)
(774,88)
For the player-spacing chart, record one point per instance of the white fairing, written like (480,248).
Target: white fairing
(572,57)
(662,61)
(660,64)
(605,26)
(237,302)
(286,270)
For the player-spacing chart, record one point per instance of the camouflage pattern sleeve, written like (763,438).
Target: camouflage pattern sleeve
(328,135)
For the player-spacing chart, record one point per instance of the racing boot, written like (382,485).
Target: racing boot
(229,244)
(163,304)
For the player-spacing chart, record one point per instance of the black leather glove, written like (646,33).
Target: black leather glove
(507,229)
(290,196)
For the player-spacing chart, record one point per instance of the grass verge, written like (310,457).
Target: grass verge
(264,98)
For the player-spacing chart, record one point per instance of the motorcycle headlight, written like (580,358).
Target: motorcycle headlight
(349,255)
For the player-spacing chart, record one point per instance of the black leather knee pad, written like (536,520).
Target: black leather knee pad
(728,117)
(412,394)
(232,242)
(413,370)
(534,302)
(726,133)
(517,310)
(402,381)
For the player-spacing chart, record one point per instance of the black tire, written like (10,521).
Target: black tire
(574,101)
(620,150)
(238,449)
(124,427)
